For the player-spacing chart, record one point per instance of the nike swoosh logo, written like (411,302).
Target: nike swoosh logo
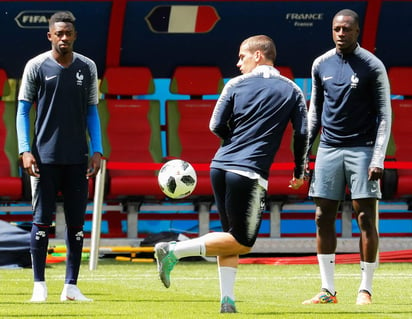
(50,77)
(325,78)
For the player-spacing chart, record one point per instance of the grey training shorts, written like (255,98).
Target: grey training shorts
(336,168)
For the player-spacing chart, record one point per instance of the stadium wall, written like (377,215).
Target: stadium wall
(166,34)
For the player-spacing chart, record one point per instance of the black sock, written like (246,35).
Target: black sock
(39,242)
(74,242)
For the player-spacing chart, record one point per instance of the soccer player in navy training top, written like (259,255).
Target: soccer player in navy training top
(350,105)
(63,85)
(250,117)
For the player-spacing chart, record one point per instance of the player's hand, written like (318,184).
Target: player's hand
(296,183)
(94,165)
(375,173)
(29,164)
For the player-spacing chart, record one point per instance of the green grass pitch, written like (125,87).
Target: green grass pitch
(132,290)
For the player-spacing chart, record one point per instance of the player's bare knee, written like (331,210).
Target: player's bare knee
(244,249)
(324,220)
(365,221)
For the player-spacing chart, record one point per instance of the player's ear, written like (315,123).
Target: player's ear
(49,35)
(258,56)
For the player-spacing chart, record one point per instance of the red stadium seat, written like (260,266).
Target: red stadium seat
(133,131)
(399,78)
(188,134)
(11,186)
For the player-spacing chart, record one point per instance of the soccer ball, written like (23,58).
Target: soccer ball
(177,179)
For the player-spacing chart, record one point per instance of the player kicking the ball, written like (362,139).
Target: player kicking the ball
(250,117)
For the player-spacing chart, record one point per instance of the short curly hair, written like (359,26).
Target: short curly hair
(348,13)
(62,16)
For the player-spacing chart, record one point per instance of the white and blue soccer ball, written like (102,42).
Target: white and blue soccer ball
(177,179)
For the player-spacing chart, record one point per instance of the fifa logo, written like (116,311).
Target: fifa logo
(79,78)
(354,81)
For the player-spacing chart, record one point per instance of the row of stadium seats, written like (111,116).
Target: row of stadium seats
(132,133)
(134,130)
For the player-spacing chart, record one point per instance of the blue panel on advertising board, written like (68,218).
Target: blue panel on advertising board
(301,31)
(24,29)
(394,34)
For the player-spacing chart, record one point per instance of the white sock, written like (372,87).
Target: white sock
(227,277)
(187,248)
(66,286)
(367,271)
(327,271)
(40,284)
(39,291)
